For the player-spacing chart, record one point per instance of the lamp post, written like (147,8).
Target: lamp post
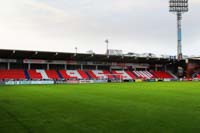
(107,43)
(178,7)
(76,49)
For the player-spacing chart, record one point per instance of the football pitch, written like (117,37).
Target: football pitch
(172,107)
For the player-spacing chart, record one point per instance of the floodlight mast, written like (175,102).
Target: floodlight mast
(179,7)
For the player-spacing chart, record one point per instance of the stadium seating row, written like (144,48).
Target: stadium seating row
(162,74)
(12,74)
(81,74)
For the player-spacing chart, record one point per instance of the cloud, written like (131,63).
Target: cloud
(139,26)
(44,7)
(194,1)
(130,5)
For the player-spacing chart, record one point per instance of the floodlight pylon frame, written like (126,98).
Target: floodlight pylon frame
(179,7)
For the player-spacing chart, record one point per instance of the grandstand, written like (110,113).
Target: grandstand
(20,65)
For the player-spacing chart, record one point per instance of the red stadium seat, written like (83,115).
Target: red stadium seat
(12,74)
(65,75)
(34,74)
(52,74)
(108,74)
(162,75)
(91,73)
(118,75)
(83,74)
(131,74)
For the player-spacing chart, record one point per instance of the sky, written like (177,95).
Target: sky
(143,26)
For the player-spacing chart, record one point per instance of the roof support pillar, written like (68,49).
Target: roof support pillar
(47,66)
(156,68)
(165,67)
(8,65)
(29,66)
(81,66)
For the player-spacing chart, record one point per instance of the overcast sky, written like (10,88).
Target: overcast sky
(132,26)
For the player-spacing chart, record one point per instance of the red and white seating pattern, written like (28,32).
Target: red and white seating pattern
(73,74)
(131,74)
(92,75)
(34,74)
(108,74)
(65,75)
(52,74)
(143,74)
(98,74)
(81,74)
(122,75)
(43,74)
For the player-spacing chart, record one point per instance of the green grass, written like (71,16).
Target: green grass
(101,108)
